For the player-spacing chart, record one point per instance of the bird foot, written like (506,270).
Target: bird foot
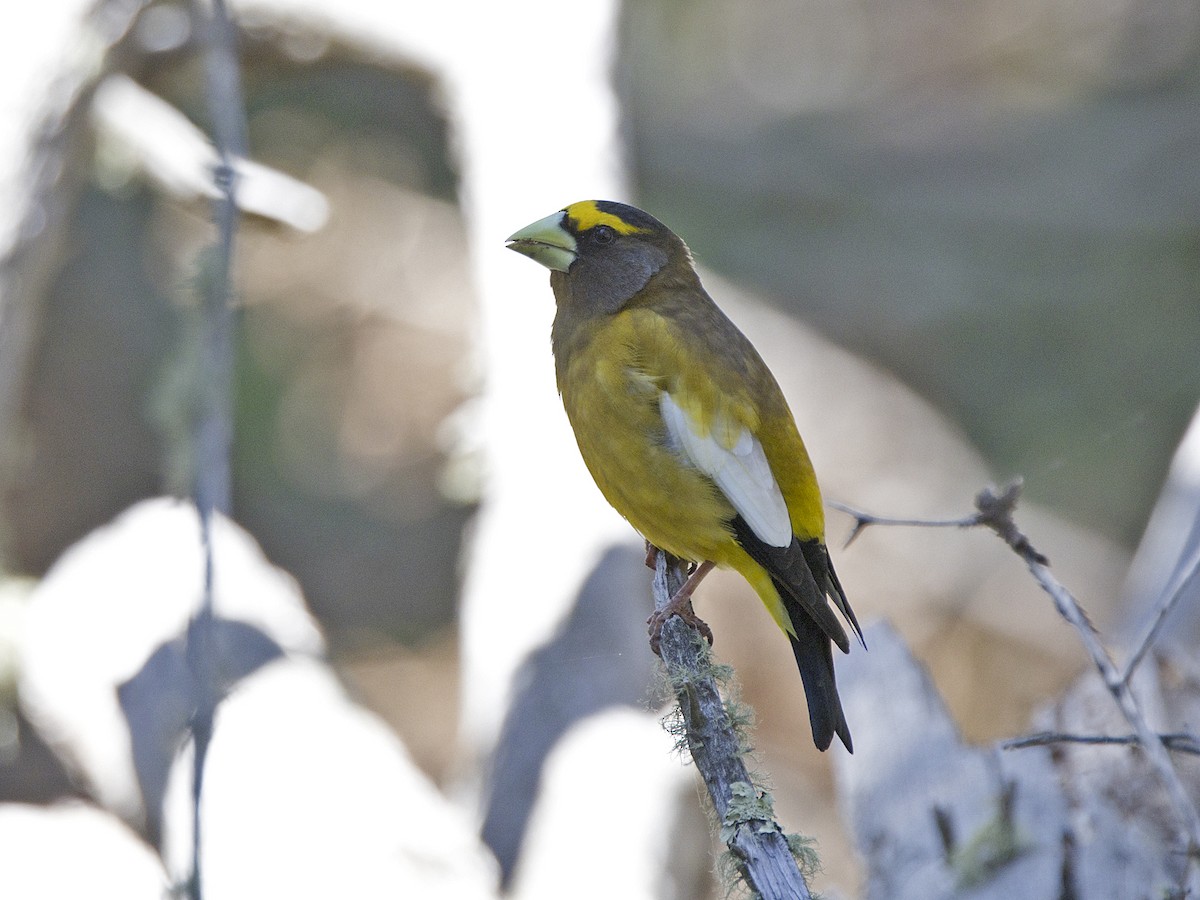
(679,605)
(684,610)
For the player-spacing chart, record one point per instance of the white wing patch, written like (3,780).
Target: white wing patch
(742,473)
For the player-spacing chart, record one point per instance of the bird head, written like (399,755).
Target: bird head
(601,253)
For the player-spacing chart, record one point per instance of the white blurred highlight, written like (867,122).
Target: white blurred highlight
(308,796)
(74,850)
(634,841)
(140,131)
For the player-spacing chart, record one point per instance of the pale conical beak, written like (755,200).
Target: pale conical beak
(547,242)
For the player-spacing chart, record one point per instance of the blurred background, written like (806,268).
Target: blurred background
(982,221)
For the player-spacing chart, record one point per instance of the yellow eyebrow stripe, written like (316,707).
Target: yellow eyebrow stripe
(586,214)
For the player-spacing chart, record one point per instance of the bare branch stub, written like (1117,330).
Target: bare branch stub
(996,507)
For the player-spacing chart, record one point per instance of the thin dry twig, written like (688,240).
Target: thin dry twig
(1176,742)
(213,435)
(748,827)
(1169,600)
(995,511)
(863,519)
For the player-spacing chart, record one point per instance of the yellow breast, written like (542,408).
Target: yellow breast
(610,384)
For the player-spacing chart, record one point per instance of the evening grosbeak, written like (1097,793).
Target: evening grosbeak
(685,430)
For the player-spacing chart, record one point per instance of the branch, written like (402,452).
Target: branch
(213,434)
(748,827)
(1169,600)
(1179,742)
(863,519)
(995,511)
(1000,520)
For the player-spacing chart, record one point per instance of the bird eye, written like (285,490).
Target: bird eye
(604,234)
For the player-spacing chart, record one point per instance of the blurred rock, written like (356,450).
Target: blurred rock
(597,659)
(643,834)
(103,673)
(308,796)
(72,851)
(911,769)
(936,818)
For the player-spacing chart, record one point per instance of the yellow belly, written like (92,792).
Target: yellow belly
(614,410)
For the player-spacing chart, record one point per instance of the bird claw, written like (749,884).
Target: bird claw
(678,606)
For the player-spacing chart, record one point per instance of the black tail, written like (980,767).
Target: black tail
(814,657)
(803,574)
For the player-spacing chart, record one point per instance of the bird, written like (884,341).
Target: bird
(687,433)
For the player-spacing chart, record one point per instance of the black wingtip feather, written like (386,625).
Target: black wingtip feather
(816,555)
(800,574)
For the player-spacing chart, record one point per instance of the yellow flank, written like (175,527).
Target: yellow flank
(617,373)
(586,214)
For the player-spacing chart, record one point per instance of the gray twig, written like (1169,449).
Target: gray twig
(214,425)
(1170,598)
(1176,742)
(863,519)
(749,829)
